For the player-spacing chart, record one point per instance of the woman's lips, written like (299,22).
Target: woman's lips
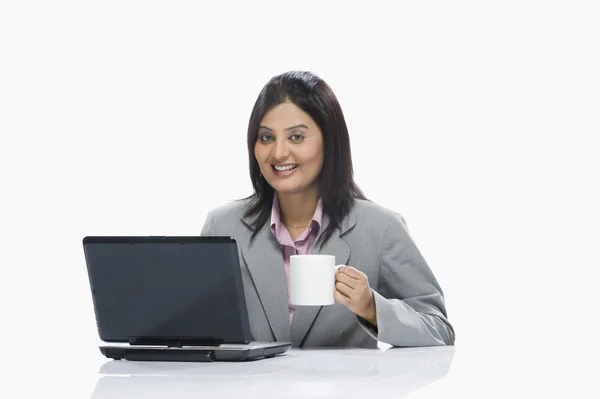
(284,173)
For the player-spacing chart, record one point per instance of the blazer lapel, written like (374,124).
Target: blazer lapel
(265,261)
(304,316)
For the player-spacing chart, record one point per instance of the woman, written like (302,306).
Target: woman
(305,201)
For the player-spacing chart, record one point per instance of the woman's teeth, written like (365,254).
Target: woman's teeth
(284,168)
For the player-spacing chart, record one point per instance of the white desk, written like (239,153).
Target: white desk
(347,373)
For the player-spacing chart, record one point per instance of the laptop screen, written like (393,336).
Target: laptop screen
(152,289)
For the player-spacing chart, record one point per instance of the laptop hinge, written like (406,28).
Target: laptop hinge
(175,342)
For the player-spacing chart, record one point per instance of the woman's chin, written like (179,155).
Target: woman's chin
(288,190)
(284,189)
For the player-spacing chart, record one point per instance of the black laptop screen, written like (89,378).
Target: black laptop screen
(167,287)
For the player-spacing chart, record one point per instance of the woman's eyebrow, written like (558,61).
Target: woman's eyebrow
(286,129)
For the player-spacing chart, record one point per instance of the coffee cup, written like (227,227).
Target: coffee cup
(312,279)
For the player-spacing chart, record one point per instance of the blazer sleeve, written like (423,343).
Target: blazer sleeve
(409,301)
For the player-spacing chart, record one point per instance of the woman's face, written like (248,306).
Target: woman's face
(289,149)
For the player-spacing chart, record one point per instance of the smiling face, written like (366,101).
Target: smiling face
(289,149)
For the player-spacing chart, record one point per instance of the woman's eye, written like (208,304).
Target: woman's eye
(297,137)
(266,138)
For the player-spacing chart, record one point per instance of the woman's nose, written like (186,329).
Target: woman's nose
(281,150)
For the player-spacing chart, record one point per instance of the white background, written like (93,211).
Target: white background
(477,121)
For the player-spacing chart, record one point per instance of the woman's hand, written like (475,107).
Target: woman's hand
(352,289)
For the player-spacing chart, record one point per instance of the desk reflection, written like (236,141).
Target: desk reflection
(347,373)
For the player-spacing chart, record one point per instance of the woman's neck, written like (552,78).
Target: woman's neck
(299,208)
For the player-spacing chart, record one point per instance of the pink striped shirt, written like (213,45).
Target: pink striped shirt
(303,244)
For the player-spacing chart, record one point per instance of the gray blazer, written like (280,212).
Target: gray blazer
(408,299)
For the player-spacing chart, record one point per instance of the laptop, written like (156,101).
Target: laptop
(171,299)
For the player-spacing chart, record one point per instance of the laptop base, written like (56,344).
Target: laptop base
(234,353)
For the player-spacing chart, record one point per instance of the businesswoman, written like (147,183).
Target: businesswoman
(305,201)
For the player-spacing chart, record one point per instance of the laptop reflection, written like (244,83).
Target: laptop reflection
(347,373)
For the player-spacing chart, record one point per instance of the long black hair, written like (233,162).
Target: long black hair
(336,182)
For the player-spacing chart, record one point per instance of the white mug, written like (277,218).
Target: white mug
(312,280)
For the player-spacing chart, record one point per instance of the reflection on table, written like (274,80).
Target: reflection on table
(347,373)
